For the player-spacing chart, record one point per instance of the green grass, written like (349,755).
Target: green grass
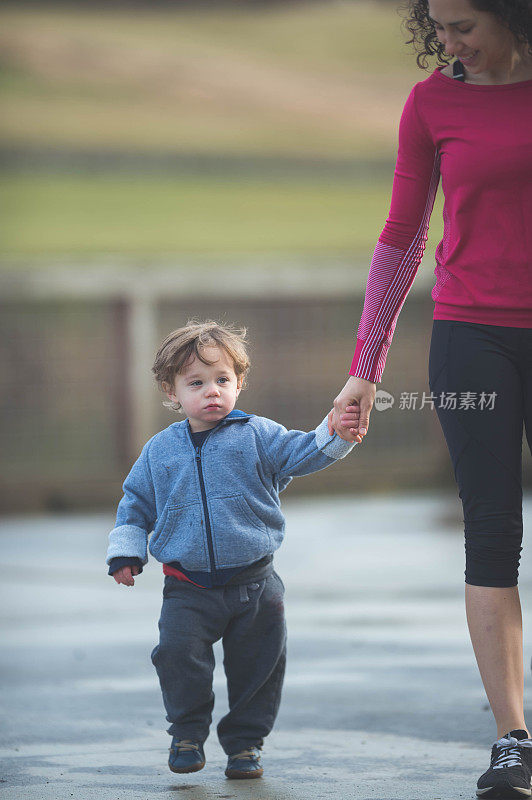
(324,79)
(302,79)
(56,215)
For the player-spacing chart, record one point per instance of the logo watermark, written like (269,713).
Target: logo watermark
(383,400)
(448,401)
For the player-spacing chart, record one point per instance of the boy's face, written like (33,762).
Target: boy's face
(207,392)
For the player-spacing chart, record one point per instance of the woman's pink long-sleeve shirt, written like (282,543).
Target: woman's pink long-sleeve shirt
(478,138)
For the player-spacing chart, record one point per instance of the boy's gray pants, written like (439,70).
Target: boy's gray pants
(249,618)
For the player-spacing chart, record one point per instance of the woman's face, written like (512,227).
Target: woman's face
(481,42)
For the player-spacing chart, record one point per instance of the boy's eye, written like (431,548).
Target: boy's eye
(196,383)
(466,31)
(223,380)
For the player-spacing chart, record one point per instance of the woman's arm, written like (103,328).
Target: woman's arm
(393,268)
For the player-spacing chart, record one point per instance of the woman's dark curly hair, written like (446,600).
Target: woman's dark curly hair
(515,14)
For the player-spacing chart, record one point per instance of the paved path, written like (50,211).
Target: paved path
(382,700)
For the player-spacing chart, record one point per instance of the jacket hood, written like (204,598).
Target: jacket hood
(234,416)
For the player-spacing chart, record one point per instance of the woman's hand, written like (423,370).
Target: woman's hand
(349,417)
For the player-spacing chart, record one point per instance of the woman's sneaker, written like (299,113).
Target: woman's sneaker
(186,756)
(245,764)
(510,772)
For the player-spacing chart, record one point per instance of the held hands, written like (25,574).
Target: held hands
(125,575)
(349,417)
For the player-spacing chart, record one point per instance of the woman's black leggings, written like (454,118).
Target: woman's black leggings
(486,372)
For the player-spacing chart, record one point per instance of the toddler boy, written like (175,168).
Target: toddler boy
(207,489)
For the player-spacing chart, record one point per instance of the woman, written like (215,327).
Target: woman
(469,123)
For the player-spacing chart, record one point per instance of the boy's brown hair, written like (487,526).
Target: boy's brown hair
(183,344)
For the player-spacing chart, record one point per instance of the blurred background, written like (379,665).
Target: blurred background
(162,161)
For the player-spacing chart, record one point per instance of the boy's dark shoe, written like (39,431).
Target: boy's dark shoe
(186,756)
(245,764)
(510,772)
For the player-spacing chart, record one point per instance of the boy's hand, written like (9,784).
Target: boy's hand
(350,422)
(125,575)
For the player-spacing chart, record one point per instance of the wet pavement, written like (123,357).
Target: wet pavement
(382,700)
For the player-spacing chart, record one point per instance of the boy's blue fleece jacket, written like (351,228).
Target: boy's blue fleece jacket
(216,507)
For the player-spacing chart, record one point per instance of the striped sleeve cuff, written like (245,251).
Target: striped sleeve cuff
(368,362)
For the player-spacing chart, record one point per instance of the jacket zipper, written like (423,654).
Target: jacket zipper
(205,509)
